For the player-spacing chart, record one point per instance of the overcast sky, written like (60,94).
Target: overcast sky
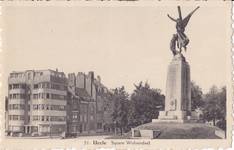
(124,45)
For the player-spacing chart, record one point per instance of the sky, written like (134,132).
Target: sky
(124,45)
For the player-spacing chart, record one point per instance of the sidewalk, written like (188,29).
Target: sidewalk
(58,137)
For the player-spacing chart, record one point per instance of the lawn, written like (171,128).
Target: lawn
(178,131)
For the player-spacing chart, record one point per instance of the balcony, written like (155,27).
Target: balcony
(49,101)
(16,122)
(16,80)
(49,113)
(16,101)
(52,91)
(16,112)
(14,91)
(38,122)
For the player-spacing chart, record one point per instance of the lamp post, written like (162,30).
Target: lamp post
(50,129)
(115,123)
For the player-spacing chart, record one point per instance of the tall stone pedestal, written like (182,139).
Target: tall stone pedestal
(178,92)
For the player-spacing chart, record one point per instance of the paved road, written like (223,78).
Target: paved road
(94,137)
(47,137)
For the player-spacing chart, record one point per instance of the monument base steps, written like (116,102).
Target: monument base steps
(175,116)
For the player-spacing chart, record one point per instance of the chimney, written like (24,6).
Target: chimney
(81,80)
(71,79)
(99,78)
(91,74)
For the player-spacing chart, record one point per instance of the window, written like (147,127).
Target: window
(17,128)
(42,118)
(15,106)
(35,107)
(74,128)
(43,85)
(43,95)
(61,107)
(40,85)
(75,115)
(17,96)
(99,125)
(14,96)
(82,109)
(92,109)
(57,97)
(35,86)
(58,87)
(19,106)
(15,117)
(34,128)
(35,118)
(91,117)
(85,118)
(47,118)
(84,127)
(47,95)
(22,86)
(35,96)
(47,85)
(57,118)
(22,96)
(47,107)
(15,86)
(21,117)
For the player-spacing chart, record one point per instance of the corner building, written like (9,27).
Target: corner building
(37,102)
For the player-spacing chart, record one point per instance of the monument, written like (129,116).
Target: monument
(178,90)
(177,121)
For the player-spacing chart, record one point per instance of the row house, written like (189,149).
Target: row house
(86,100)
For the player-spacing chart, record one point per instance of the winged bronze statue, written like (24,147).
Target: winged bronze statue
(180,39)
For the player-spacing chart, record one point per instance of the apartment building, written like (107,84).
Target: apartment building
(45,102)
(37,102)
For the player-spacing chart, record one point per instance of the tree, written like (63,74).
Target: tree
(215,106)
(222,122)
(120,113)
(146,104)
(196,96)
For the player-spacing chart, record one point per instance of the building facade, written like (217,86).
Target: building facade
(45,102)
(86,100)
(37,102)
(81,118)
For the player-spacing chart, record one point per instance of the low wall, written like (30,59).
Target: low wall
(152,134)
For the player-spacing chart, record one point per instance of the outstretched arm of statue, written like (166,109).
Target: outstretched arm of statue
(186,19)
(194,10)
(171,18)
